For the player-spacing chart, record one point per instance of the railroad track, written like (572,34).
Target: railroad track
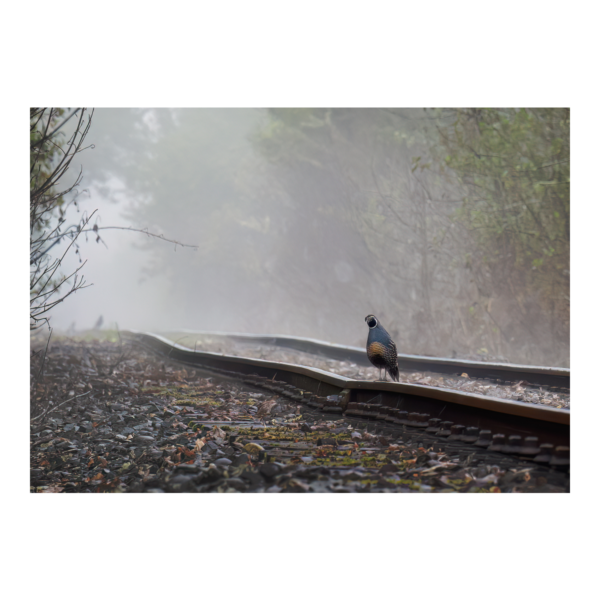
(493,371)
(523,430)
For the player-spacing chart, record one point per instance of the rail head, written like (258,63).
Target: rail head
(512,371)
(479,401)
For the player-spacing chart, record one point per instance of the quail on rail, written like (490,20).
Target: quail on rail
(381,349)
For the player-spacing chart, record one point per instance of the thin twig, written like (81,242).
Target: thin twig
(48,411)
(40,372)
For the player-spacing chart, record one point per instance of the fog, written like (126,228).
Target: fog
(307,220)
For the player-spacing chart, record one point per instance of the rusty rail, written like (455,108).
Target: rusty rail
(539,432)
(537,375)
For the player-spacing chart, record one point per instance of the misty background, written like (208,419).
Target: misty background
(451,225)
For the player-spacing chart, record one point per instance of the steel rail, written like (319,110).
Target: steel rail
(401,403)
(537,375)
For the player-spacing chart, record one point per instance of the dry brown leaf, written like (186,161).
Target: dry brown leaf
(253,449)
(265,408)
(52,489)
(217,432)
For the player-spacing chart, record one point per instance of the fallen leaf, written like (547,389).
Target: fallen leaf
(265,408)
(217,432)
(253,449)
(52,489)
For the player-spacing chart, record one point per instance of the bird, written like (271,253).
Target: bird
(381,349)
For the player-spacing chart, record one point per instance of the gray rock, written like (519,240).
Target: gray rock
(154,453)
(212,473)
(242,459)
(181,483)
(269,470)
(143,440)
(251,475)
(237,484)
(210,447)
(222,462)
(186,469)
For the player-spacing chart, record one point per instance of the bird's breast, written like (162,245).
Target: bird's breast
(376,352)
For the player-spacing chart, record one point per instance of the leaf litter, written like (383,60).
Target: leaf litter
(150,425)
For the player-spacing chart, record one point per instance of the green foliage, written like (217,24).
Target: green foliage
(514,165)
(517,170)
